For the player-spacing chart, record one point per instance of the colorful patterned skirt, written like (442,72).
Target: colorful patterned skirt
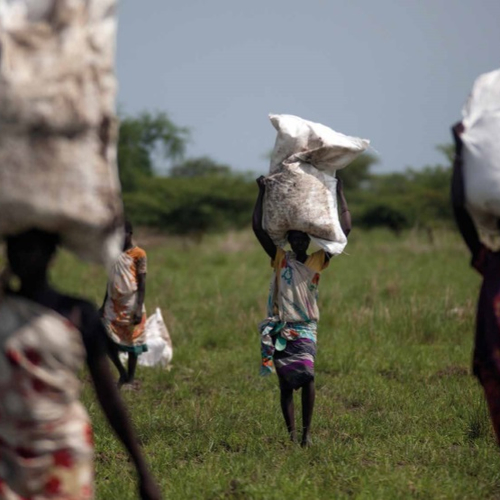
(295,364)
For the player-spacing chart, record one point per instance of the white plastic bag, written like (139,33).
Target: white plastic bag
(301,187)
(160,350)
(58,127)
(481,156)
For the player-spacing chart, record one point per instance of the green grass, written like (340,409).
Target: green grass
(398,414)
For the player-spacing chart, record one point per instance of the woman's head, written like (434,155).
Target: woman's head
(30,253)
(299,241)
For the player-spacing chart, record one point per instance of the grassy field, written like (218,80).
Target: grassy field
(398,414)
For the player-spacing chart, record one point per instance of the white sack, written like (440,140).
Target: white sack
(58,129)
(298,196)
(301,187)
(57,64)
(313,143)
(160,350)
(481,156)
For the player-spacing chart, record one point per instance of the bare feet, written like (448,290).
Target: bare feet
(306,442)
(122,380)
(131,385)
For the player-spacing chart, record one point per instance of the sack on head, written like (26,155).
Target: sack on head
(58,168)
(300,197)
(301,189)
(313,143)
(481,156)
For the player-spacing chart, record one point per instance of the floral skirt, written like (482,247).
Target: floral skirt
(63,482)
(295,364)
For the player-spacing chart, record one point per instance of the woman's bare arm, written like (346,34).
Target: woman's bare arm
(345,214)
(93,335)
(463,219)
(141,295)
(264,239)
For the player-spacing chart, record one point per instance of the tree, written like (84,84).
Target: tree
(183,205)
(357,173)
(142,138)
(384,216)
(200,167)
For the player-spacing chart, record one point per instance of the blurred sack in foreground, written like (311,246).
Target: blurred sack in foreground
(58,128)
(301,187)
(481,156)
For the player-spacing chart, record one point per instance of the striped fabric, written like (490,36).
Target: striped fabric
(276,335)
(295,364)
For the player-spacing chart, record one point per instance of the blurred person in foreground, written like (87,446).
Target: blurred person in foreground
(486,358)
(46,444)
(288,334)
(123,310)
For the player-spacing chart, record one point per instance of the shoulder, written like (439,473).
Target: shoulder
(79,311)
(85,317)
(137,253)
(82,304)
(318,261)
(70,302)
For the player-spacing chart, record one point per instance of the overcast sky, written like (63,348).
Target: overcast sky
(394,71)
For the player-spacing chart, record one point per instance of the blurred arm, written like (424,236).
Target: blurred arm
(101,310)
(463,219)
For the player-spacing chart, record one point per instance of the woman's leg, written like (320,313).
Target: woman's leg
(491,386)
(308,396)
(132,364)
(286,397)
(113,354)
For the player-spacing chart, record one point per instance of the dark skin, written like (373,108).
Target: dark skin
(29,256)
(463,219)
(299,242)
(128,376)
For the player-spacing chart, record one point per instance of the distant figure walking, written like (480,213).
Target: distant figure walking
(288,335)
(486,361)
(123,310)
(46,448)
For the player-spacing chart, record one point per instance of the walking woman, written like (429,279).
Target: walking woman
(46,450)
(486,360)
(123,310)
(288,335)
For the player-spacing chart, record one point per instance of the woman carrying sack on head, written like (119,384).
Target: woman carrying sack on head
(486,358)
(288,335)
(46,448)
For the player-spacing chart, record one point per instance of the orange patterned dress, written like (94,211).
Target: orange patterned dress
(122,299)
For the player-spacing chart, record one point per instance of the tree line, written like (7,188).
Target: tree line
(164,189)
